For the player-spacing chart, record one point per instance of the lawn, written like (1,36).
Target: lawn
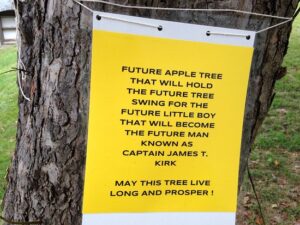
(8,110)
(275,160)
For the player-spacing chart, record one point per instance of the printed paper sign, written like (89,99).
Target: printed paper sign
(165,123)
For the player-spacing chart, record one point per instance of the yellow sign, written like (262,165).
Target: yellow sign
(165,126)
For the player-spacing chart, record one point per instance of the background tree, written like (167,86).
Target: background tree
(45,180)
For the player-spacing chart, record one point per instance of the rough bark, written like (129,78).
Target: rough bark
(45,179)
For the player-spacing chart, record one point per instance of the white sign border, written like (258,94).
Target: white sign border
(171,30)
(175,218)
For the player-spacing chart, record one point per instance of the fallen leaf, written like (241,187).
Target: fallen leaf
(282,111)
(246,200)
(285,215)
(259,221)
(247,214)
(276,163)
(277,219)
(282,181)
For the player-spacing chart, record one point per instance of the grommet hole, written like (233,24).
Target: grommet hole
(98,17)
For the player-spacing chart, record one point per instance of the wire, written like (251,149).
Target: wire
(21,66)
(84,6)
(185,9)
(296,13)
(287,19)
(276,25)
(255,193)
(208,33)
(130,21)
(20,87)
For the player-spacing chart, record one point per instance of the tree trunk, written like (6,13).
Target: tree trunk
(45,180)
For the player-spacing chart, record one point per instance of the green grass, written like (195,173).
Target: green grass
(282,127)
(275,159)
(8,110)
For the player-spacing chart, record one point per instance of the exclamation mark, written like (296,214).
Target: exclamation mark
(212,193)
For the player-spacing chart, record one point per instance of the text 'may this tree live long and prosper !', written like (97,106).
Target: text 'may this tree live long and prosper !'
(165,123)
